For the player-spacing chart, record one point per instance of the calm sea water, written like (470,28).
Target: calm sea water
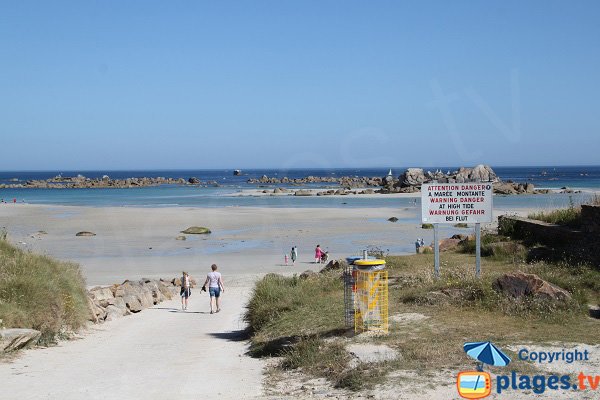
(225,195)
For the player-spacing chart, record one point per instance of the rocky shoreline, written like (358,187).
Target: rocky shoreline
(409,181)
(82,182)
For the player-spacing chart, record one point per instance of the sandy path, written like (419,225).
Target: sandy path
(159,353)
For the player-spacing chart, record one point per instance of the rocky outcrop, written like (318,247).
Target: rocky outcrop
(81,182)
(413,177)
(520,284)
(15,339)
(345,181)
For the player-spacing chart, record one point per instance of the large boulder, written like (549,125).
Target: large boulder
(504,188)
(448,244)
(15,339)
(102,296)
(114,312)
(196,230)
(412,177)
(483,173)
(520,284)
(85,233)
(97,314)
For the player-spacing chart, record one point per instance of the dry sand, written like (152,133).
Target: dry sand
(160,353)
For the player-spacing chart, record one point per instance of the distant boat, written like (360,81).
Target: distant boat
(237,172)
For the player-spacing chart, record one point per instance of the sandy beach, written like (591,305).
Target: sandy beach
(140,356)
(132,243)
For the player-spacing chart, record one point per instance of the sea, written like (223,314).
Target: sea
(230,187)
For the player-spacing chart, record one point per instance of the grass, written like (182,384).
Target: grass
(570,216)
(307,316)
(426,226)
(40,293)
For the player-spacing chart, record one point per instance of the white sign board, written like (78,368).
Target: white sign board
(452,203)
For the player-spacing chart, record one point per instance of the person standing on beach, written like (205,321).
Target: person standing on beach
(186,290)
(215,287)
(318,254)
(294,255)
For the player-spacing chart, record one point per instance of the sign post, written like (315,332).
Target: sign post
(452,203)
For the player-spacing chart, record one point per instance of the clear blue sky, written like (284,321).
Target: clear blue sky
(199,84)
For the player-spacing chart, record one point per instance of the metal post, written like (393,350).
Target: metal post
(436,252)
(365,254)
(478,250)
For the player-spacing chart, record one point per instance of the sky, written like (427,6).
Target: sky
(290,84)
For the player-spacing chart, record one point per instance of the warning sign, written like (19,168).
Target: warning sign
(451,203)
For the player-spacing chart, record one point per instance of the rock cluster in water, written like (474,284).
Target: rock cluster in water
(409,181)
(345,181)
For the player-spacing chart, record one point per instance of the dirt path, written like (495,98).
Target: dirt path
(159,353)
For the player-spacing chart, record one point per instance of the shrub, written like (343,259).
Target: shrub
(41,293)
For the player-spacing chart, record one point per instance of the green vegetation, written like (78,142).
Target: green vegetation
(461,225)
(426,226)
(302,320)
(570,216)
(41,293)
(196,230)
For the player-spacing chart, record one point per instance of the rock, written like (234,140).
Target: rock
(237,172)
(114,312)
(17,338)
(334,265)
(85,233)
(180,237)
(133,303)
(460,237)
(504,188)
(447,244)
(393,219)
(97,313)
(594,311)
(194,181)
(308,274)
(119,303)
(102,296)
(196,230)
(302,193)
(520,284)
(482,173)
(412,177)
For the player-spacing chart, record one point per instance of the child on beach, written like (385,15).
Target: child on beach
(294,255)
(215,287)
(285,257)
(186,290)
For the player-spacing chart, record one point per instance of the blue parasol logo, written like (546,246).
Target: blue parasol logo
(486,353)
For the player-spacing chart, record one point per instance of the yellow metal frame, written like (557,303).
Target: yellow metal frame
(371,301)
